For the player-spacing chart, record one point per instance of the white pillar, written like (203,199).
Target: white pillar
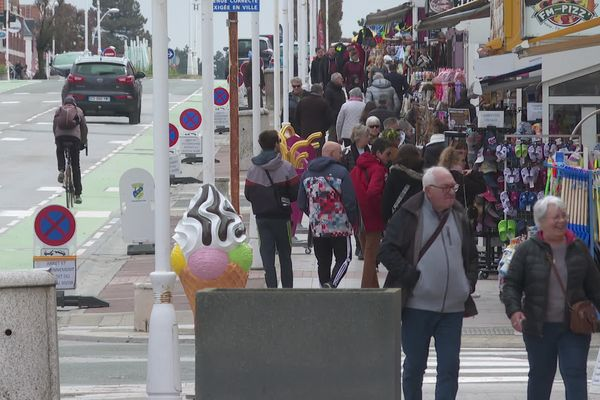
(6,23)
(208,84)
(85,27)
(415,17)
(313,27)
(98,27)
(276,70)
(292,33)
(190,58)
(256,95)
(286,60)
(302,41)
(327,44)
(163,380)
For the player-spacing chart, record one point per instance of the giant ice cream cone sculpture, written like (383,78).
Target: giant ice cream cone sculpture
(211,249)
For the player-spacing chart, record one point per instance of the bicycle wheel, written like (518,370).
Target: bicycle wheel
(69,189)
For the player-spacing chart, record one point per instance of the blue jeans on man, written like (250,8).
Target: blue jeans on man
(572,353)
(418,327)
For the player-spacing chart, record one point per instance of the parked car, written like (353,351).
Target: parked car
(106,86)
(266,49)
(61,63)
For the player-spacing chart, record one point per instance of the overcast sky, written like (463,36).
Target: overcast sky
(179,18)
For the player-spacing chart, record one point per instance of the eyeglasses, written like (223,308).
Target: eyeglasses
(296,86)
(373,126)
(448,189)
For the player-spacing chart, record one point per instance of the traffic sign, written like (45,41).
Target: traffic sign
(236,6)
(54,225)
(170,54)
(190,119)
(173,135)
(221,96)
(109,52)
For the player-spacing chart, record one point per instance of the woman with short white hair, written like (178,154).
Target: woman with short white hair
(349,116)
(549,274)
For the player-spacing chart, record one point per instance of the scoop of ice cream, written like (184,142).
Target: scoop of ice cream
(210,221)
(208,263)
(178,261)
(242,256)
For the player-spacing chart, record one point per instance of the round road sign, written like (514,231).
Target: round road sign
(54,225)
(173,135)
(221,96)
(190,119)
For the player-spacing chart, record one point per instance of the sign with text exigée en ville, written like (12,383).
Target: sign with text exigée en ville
(236,5)
(543,17)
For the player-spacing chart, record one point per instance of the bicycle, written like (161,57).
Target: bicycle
(68,180)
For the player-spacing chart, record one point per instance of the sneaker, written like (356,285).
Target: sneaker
(61,176)
(327,285)
(77,199)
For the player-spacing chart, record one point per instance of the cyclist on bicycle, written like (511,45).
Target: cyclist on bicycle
(70,127)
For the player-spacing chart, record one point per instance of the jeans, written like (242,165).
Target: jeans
(418,327)
(572,352)
(325,247)
(74,151)
(369,242)
(275,234)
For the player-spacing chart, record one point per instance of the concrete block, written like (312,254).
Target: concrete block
(28,336)
(270,88)
(143,299)
(246,139)
(298,344)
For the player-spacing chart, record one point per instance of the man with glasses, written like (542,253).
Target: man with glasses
(295,96)
(430,254)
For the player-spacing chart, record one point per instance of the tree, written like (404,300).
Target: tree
(44,29)
(70,36)
(182,56)
(127,24)
(335,16)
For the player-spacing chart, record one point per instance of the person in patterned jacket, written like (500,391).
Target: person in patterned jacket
(327,196)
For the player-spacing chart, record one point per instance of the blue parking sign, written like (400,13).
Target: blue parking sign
(236,5)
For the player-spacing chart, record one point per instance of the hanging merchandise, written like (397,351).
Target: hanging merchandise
(575,189)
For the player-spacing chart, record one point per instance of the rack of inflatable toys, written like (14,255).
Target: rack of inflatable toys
(299,152)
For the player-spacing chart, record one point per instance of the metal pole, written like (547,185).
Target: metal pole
(86,28)
(234,104)
(189,71)
(256,95)
(208,84)
(276,70)
(286,60)
(327,44)
(302,41)
(7,24)
(291,48)
(53,36)
(163,379)
(98,27)
(313,27)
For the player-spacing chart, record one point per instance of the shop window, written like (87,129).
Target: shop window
(563,118)
(587,85)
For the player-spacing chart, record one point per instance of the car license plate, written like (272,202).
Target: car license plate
(103,99)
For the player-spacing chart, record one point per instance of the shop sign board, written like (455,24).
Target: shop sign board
(547,16)
(190,143)
(534,111)
(490,118)
(438,6)
(236,6)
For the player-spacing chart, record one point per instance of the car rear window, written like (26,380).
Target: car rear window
(100,69)
(66,58)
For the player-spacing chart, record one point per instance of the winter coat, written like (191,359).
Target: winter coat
(399,83)
(293,105)
(349,117)
(368,177)
(380,88)
(350,155)
(432,153)
(469,186)
(327,196)
(313,115)
(526,284)
(399,249)
(264,197)
(80,131)
(354,75)
(400,180)
(335,97)
(317,74)
(330,67)
(382,114)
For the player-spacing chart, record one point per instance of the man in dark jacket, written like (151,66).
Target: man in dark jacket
(313,114)
(72,134)
(246,70)
(382,112)
(398,81)
(329,65)
(271,187)
(430,253)
(327,197)
(297,94)
(316,67)
(335,97)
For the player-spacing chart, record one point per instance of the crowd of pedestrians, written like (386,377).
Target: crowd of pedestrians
(410,209)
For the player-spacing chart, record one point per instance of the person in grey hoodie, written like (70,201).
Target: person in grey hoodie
(430,253)
(382,87)
(271,187)
(327,196)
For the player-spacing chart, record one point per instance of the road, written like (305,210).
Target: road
(28,163)
(500,373)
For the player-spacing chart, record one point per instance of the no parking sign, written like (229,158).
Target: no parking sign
(190,119)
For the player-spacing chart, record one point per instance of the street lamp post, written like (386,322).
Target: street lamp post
(99,20)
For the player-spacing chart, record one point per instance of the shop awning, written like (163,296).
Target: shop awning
(511,74)
(473,10)
(395,14)
(511,84)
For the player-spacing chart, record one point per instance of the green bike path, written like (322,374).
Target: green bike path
(17,244)
(5,86)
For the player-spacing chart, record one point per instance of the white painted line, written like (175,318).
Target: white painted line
(104,159)
(16,213)
(50,189)
(80,252)
(2,230)
(89,243)
(43,203)
(13,222)
(121,142)
(4,123)
(10,102)
(92,214)
(21,93)
(13,139)
(98,164)
(39,115)
(51,101)
(43,123)
(98,235)
(93,167)
(13,126)
(54,196)
(53,93)
(112,189)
